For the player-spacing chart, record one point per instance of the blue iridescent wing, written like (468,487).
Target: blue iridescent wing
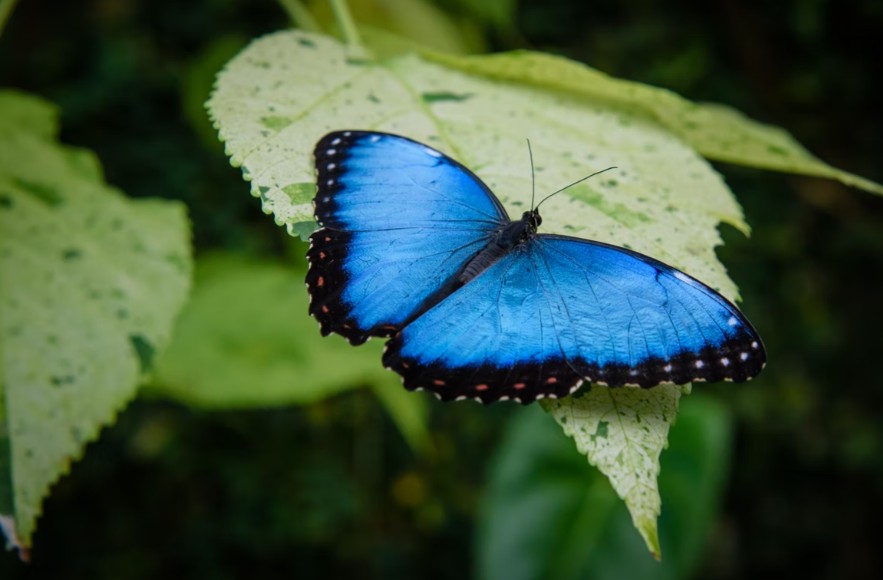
(399,220)
(557,311)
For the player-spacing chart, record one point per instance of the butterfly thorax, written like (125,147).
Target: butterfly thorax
(502,242)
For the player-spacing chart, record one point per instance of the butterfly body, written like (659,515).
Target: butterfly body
(504,241)
(414,247)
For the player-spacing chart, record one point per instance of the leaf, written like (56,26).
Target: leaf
(285,91)
(716,131)
(419,20)
(548,514)
(89,285)
(695,469)
(197,81)
(245,339)
(622,432)
(27,113)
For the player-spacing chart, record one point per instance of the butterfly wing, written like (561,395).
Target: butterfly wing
(399,219)
(557,311)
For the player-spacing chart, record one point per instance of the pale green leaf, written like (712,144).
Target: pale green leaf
(280,95)
(285,91)
(89,285)
(245,339)
(717,132)
(622,432)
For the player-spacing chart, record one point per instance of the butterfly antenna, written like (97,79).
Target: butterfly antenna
(533,177)
(571,185)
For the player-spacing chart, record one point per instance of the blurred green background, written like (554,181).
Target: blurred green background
(332,487)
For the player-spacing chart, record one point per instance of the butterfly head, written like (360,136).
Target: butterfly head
(519,231)
(533,219)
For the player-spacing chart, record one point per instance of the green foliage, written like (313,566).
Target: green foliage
(417,19)
(89,285)
(233,348)
(172,491)
(199,80)
(622,432)
(245,340)
(547,514)
(718,132)
(666,201)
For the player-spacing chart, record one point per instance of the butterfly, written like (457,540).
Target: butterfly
(414,247)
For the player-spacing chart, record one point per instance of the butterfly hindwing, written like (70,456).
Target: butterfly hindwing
(557,310)
(399,220)
(627,319)
(492,339)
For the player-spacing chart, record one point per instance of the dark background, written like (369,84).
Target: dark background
(170,490)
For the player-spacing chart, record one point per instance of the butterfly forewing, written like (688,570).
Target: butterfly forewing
(398,221)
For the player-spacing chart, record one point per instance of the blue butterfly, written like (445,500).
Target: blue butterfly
(413,246)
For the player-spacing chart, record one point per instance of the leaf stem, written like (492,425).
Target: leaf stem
(299,14)
(346,23)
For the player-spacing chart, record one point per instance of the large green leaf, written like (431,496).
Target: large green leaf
(89,285)
(282,93)
(548,515)
(245,339)
(716,131)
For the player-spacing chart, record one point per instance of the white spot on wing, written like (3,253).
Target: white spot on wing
(732,321)
(684,278)
(432,152)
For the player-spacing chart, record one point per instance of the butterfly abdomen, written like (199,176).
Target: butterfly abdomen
(482,261)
